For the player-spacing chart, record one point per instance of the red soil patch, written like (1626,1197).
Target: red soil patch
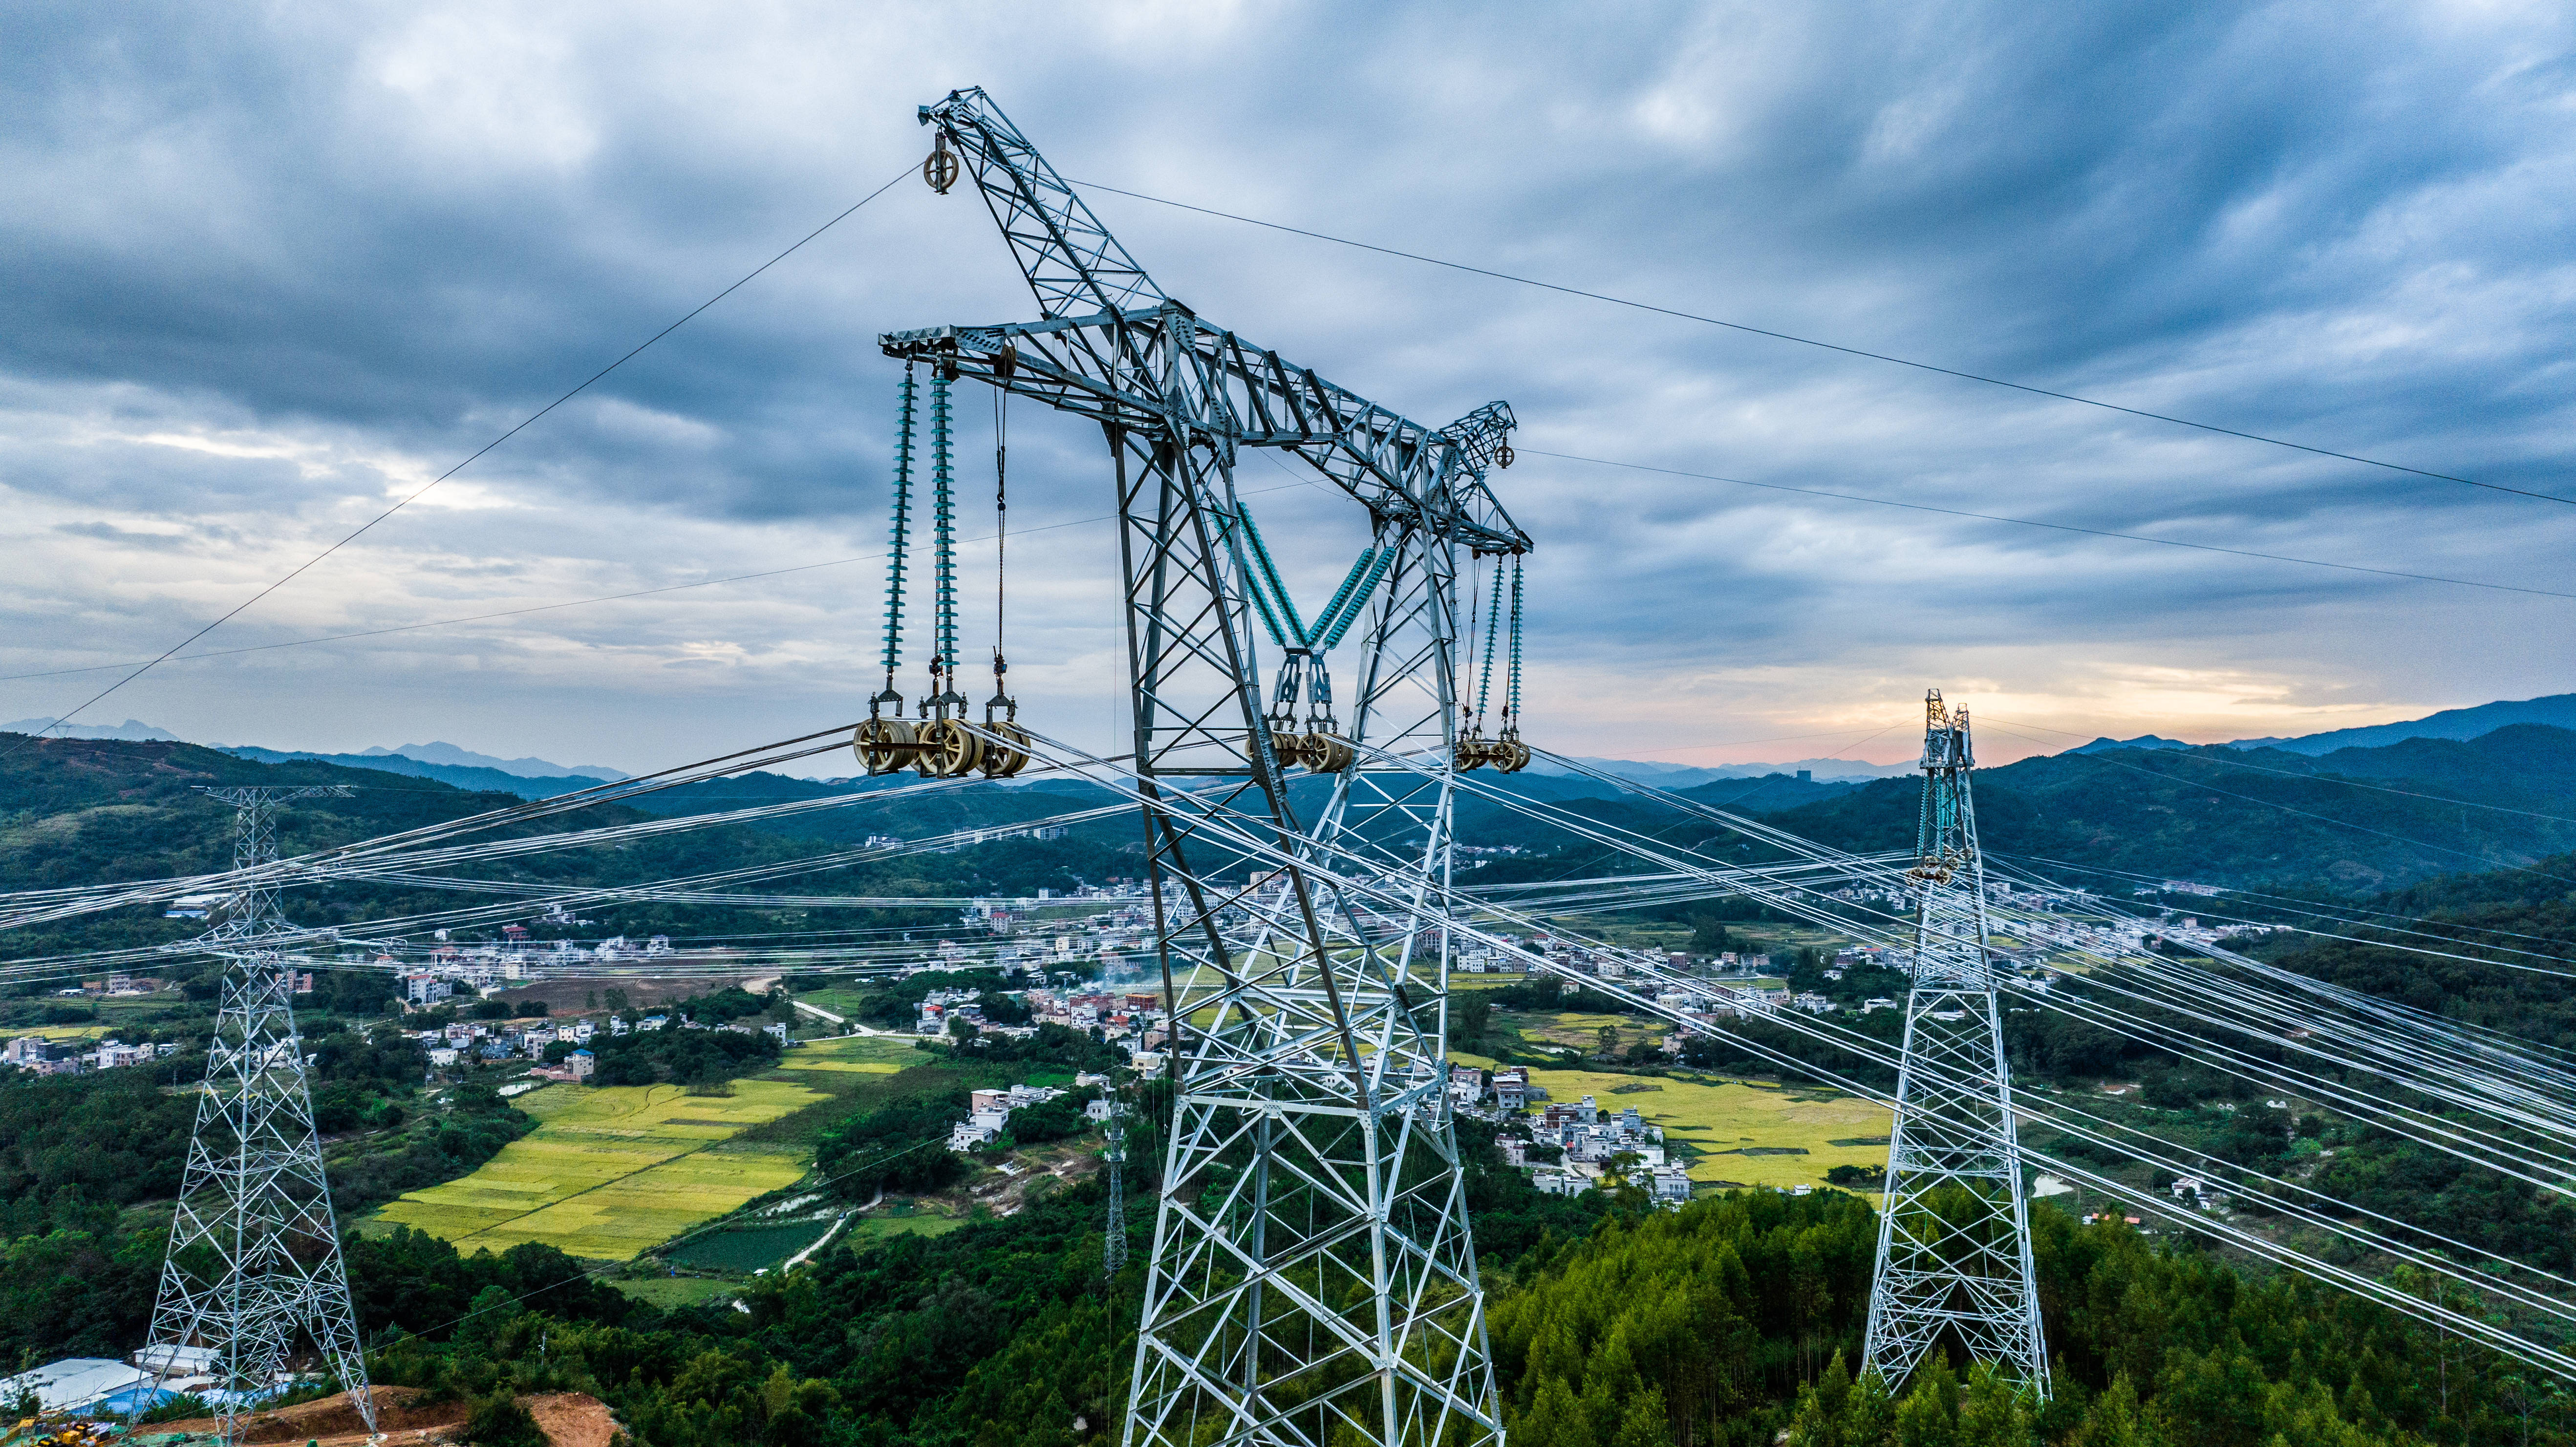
(570,1419)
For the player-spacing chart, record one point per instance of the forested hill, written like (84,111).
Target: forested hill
(90,811)
(2355,820)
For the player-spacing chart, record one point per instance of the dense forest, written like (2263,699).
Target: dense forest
(1732,1321)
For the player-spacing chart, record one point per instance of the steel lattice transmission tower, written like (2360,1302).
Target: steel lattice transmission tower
(1113,1251)
(254,1262)
(1954,1259)
(1313,1280)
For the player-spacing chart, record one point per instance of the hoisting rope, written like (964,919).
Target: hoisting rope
(899,541)
(1512,700)
(1493,621)
(943,662)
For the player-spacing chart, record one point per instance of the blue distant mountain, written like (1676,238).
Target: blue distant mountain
(2106,743)
(463,776)
(1683,776)
(131,731)
(450,754)
(2558,710)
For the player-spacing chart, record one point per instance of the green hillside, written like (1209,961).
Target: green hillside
(2356,820)
(79,811)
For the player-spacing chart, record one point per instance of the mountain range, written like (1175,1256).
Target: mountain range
(2557,709)
(535,778)
(1684,776)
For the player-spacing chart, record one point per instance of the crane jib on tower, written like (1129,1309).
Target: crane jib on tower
(1313,1277)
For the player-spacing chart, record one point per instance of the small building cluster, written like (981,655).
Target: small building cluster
(41,1056)
(990,1110)
(1568,1147)
(1135,1016)
(486,969)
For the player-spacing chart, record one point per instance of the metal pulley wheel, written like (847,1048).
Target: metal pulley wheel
(949,749)
(1515,755)
(884,744)
(1503,455)
(1002,760)
(1287,748)
(1325,753)
(940,168)
(1472,753)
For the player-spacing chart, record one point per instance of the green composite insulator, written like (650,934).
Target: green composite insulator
(1342,595)
(1359,599)
(1493,623)
(1295,627)
(1512,700)
(899,538)
(943,529)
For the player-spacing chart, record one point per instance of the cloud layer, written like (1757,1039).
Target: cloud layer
(273,273)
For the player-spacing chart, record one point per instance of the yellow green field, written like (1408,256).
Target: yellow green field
(609,1172)
(1720,1120)
(865,1054)
(1583,1031)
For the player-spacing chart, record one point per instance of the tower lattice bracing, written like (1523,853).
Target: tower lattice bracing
(1954,1259)
(1312,1278)
(254,1271)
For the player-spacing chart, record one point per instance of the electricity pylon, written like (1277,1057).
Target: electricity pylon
(1954,1260)
(1113,1251)
(1313,1278)
(254,1260)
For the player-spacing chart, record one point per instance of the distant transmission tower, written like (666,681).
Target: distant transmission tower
(254,1259)
(1113,1254)
(1954,1259)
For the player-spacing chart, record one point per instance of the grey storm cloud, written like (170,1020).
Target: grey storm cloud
(342,248)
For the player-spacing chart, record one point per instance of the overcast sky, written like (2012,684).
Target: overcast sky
(272,268)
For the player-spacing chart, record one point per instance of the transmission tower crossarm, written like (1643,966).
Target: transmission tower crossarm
(1161,367)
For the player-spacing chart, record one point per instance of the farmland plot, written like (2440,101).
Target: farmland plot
(610,1172)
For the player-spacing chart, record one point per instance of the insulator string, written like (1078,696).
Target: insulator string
(899,535)
(943,660)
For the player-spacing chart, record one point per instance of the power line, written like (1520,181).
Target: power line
(301,568)
(2055,527)
(1828,346)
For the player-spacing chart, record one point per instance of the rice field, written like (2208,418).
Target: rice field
(610,1172)
(1739,1132)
